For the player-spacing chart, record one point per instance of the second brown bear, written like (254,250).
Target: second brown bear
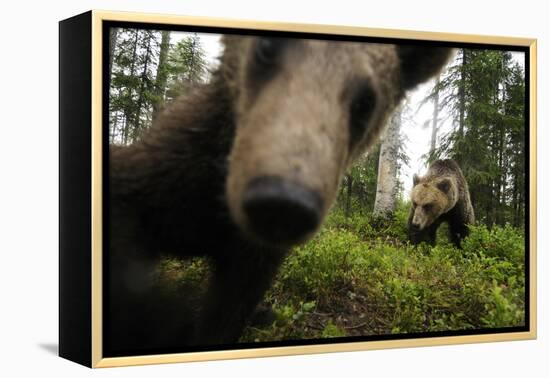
(441,195)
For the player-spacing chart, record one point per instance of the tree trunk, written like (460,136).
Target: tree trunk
(517,190)
(349,180)
(112,45)
(386,188)
(501,179)
(462,95)
(162,75)
(461,109)
(127,112)
(501,158)
(141,93)
(434,118)
(114,124)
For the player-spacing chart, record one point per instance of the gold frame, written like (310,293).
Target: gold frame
(97,358)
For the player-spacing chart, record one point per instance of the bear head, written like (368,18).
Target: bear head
(431,198)
(304,110)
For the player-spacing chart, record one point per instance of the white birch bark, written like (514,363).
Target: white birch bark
(386,187)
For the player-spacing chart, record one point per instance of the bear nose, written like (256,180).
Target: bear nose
(416,226)
(280,211)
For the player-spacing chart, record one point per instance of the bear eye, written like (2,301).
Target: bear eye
(267,50)
(427,207)
(361,109)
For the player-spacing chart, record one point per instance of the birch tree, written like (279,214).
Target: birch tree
(387,185)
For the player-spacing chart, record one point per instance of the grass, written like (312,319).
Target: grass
(360,276)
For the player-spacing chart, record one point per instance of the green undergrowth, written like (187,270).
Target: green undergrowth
(360,276)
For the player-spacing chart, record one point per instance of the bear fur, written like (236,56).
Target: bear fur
(441,195)
(238,171)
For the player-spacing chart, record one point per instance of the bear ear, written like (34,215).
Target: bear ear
(419,63)
(444,185)
(416,180)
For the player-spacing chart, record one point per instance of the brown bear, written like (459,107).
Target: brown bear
(441,195)
(239,171)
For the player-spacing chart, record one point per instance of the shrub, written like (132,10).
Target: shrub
(351,272)
(360,276)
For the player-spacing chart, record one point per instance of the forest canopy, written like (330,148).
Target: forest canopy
(148,70)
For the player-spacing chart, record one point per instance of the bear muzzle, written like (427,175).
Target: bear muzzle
(280,211)
(419,221)
(415,226)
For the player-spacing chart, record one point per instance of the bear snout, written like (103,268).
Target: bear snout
(280,211)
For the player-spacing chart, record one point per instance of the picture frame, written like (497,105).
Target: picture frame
(84,187)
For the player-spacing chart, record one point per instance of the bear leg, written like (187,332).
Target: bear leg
(238,284)
(457,232)
(427,235)
(432,234)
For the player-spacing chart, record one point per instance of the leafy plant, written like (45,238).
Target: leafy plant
(354,278)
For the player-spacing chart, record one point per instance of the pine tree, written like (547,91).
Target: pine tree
(146,71)
(162,74)
(186,66)
(484,91)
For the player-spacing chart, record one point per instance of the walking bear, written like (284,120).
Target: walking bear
(240,170)
(442,195)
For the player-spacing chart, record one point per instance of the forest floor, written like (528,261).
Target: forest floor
(360,276)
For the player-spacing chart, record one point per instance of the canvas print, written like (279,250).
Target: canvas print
(279,189)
